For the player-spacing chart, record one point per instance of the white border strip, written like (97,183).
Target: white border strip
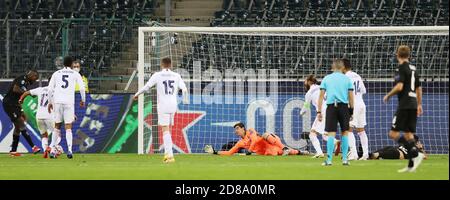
(296,29)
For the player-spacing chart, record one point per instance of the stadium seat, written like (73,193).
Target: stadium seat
(98,30)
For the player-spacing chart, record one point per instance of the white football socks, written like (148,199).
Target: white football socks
(352,144)
(55,138)
(44,142)
(364,142)
(69,140)
(167,139)
(315,142)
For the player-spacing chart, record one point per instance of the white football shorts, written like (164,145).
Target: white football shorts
(166,119)
(64,113)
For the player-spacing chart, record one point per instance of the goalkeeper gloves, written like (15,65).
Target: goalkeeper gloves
(209,149)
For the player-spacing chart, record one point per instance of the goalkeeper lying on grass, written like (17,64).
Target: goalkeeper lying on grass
(267,144)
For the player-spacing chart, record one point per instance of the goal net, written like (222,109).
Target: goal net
(255,75)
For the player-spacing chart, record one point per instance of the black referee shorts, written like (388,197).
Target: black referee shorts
(14,112)
(337,113)
(405,120)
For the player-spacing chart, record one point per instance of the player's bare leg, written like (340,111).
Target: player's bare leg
(168,145)
(316,144)
(394,135)
(364,143)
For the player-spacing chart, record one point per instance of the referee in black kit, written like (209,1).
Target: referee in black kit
(339,89)
(409,92)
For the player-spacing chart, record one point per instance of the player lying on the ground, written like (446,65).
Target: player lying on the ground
(266,144)
(399,152)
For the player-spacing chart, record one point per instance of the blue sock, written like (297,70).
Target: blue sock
(330,148)
(344,146)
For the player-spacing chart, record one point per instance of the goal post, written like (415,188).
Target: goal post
(255,75)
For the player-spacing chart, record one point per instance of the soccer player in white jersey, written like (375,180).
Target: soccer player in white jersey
(318,127)
(359,114)
(43,117)
(168,83)
(61,89)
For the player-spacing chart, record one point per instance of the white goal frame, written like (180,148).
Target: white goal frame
(389,30)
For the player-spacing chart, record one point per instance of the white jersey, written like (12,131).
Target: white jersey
(42,97)
(62,86)
(359,88)
(168,83)
(312,96)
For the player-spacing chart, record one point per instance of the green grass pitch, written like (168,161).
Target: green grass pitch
(209,167)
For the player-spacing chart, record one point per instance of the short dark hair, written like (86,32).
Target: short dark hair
(347,63)
(68,61)
(403,51)
(32,71)
(240,125)
(311,78)
(77,61)
(166,61)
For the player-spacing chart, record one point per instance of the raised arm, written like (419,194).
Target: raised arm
(22,97)
(146,87)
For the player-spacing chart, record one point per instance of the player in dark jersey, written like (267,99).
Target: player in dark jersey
(409,92)
(396,152)
(13,109)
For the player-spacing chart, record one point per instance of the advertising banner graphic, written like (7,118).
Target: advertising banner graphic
(109,123)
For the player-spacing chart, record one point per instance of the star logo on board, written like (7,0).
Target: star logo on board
(183,120)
